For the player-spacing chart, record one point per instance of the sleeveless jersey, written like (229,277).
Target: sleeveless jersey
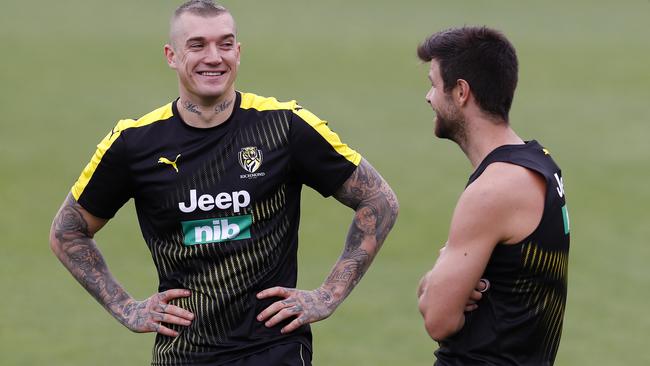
(519,320)
(219,210)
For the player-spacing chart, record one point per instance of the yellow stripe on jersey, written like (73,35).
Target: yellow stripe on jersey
(159,114)
(321,127)
(252,101)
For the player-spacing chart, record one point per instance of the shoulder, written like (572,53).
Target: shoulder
(291,108)
(498,200)
(261,103)
(159,114)
(503,181)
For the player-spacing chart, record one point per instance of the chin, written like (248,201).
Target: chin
(209,94)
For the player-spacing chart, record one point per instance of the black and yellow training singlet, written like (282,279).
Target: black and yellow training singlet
(519,320)
(219,211)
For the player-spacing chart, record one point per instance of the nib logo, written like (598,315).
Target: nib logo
(216,230)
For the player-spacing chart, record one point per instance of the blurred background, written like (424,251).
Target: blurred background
(70,69)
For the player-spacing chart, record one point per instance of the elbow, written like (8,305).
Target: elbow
(393,206)
(55,244)
(439,326)
(438,331)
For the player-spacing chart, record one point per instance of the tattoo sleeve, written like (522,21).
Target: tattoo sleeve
(376,209)
(72,242)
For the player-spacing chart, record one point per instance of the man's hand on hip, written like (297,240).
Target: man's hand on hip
(149,314)
(306,306)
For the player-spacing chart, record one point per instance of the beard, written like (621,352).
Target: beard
(450,124)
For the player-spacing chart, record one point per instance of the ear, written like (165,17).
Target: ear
(238,53)
(461,91)
(169,56)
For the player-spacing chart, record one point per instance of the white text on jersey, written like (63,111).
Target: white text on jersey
(223,201)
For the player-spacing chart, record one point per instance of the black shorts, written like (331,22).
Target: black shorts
(290,354)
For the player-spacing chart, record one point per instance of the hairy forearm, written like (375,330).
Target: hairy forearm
(376,210)
(73,244)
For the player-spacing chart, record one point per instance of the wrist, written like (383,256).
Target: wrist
(329,296)
(122,307)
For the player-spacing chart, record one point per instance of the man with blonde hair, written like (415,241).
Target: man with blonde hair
(216,177)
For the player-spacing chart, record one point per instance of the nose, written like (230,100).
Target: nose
(212,55)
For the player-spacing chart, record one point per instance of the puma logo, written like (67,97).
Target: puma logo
(164,160)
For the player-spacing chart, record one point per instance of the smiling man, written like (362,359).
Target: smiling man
(510,228)
(216,177)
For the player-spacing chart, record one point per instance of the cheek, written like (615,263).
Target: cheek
(232,59)
(186,60)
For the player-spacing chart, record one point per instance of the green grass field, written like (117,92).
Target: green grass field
(70,69)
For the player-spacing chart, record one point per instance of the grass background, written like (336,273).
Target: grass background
(70,69)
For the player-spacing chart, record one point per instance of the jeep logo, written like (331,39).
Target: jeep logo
(222,201)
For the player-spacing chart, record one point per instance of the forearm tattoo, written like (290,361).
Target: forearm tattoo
(376,210)
(78,252)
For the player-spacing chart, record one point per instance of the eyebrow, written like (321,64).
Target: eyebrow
(202,39)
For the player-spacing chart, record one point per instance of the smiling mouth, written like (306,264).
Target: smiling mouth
(211,73)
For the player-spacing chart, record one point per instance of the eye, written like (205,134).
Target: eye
(195,46)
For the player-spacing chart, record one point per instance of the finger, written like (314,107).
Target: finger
(282,315)
(174,310)
(295,324)
(483,285)
(274,308)
(475,296)
(172,319)
(172,294)
(274,292)
(165,331)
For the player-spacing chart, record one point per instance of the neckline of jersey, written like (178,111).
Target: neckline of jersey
(213,128)
(485,162)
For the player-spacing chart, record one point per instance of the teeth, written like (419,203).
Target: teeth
(209,73)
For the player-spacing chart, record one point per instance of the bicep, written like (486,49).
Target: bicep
(363,184)
(72,221)
(473,235)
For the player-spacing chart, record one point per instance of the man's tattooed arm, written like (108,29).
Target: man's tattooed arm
(71,239)
(376,209)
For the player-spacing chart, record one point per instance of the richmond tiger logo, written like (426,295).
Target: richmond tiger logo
(250,158)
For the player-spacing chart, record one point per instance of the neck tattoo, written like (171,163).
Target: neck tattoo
(191,107)
(223,106)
